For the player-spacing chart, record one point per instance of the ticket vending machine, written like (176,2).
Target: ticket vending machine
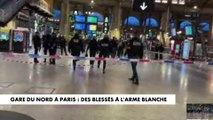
(20,41)
(5,41)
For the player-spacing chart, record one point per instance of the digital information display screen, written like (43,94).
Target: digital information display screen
(91,27)
(188,30)
(92,19)
(79,26)
(80,18)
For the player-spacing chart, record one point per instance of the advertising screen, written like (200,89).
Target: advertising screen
(186,48)
(92,27)
(18,37)
(188,30)
(80,18)
(177,49)
(173,32)
(4,36)
(92,19)
(79,26)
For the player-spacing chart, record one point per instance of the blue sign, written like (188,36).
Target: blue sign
(18,37)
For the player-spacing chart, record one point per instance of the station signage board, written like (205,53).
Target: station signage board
(144,5)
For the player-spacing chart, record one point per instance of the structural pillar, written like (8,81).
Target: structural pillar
(116,23)
(65,23)
(211,36)
(165,27)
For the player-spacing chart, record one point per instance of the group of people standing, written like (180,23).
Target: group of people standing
(50,43)
(105,48)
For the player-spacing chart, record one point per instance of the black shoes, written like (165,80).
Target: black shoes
(134,81)
(36,62)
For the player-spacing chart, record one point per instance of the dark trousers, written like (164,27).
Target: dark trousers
(92,54)
(63,50)
(134,71)
(36,49)
(157,55)
(45,53)
(52,52)
(114,50)
(120,52)
(104,62)
(74,62)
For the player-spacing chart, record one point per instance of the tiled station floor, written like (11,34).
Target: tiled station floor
(190,83)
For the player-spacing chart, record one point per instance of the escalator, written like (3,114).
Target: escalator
(9,8)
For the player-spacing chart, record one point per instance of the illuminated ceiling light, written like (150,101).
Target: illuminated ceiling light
(195,7)
(157,1)
(92,1)
(182,2)
(179,32)
(164,1)
(187,15)
(75,12)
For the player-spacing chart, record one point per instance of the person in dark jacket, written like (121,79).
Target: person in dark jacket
(46,38)
(114,47)
(63,44)
(105,50)
(53,48)
(37,45)
(159,49)
(75,48)
(135,49)
(120,49)
(93,47)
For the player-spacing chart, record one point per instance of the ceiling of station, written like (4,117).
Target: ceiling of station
(206,6)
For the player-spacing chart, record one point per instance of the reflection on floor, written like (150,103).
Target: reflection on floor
(191,84)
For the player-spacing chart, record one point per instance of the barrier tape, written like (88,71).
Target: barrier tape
(17,55)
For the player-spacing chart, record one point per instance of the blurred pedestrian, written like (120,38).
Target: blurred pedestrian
(105,49)
(135,49)
(75,48)
(37,45)
(93,48)
(63,44)
(114,45)
(53,48)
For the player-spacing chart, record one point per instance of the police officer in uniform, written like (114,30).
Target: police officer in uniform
(105,50)
(93,47)
(135,51)
(63,44)
(46,38)
(75,48)
(53,48)
(37,45)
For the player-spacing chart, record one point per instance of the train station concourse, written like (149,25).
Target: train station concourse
(106,59)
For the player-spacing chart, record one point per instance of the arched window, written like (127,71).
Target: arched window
(99,16)
(205,26)
(132,21)
(151,22)
(184,24)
